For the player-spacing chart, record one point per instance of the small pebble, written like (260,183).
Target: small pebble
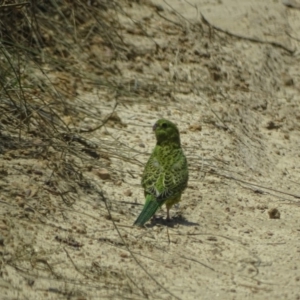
(128,193)
(103,173)
(195,127)
(274,213)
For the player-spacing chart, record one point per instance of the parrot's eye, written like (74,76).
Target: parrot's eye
(164,125)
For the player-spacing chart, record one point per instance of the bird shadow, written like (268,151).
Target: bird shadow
(176,220)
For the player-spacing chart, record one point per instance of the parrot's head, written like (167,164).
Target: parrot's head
(166,132)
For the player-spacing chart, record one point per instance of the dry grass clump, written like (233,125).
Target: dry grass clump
(46,57)
(43,64)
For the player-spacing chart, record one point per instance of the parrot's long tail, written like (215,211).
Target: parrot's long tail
(148,211)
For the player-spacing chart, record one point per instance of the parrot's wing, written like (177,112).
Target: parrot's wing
(165,176)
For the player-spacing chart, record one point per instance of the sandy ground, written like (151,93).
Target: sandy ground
(236,235)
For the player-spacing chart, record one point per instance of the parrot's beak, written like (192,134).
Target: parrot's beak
(154,127)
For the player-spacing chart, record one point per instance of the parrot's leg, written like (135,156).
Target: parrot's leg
(168,214)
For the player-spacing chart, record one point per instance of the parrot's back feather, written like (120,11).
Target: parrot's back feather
(150,208)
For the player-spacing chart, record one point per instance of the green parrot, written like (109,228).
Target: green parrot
(166,173)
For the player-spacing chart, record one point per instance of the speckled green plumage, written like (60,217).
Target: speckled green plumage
(166,173)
